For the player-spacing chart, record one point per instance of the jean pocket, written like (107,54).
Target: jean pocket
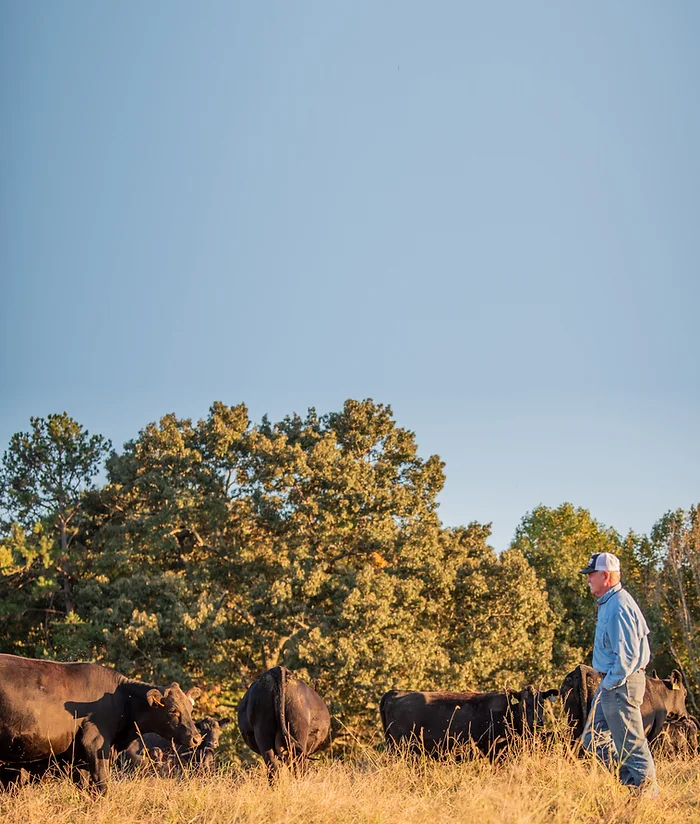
(636,686)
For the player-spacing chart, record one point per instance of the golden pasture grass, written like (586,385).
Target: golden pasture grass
(535,786)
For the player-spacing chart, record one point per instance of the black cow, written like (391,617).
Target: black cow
(283,719)
(169,759)
(82,714)
(678,738)
(436,722)
(661,697)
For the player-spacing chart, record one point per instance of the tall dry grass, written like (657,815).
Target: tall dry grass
(538,785)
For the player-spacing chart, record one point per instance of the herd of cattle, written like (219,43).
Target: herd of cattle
(87,718)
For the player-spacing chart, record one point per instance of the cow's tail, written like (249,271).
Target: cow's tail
(281,709)
(582,688)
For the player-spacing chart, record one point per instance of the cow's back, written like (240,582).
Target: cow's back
(433,721)
(42,704)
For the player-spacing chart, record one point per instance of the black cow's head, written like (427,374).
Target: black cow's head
(170,714)
(527,707)
(210,729)
(677,693)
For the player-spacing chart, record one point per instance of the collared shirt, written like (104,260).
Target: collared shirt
(621,645)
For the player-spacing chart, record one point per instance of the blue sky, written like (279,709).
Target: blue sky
(485,215)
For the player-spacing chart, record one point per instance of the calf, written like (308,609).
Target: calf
(436,722)
(82,714)
(283,719)
(169,759)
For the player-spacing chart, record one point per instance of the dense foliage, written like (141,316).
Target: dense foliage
(217,549)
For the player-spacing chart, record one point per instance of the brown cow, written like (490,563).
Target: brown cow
(82,714)
(661,697)
(283,719)
(435,722)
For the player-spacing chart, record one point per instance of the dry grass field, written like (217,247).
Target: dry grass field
(534,786)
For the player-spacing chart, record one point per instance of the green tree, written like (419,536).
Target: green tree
(675,541)
(153,596)
(44,474)
(558,543)
(502,628)
(340,567)
(27,589)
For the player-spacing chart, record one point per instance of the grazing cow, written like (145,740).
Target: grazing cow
(435,722)
(678,738)
(82,714)
(661,698)
(168,759)
(283,719)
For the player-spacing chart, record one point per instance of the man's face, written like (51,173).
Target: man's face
(598,582)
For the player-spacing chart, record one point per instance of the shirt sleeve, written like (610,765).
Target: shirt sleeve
(623,633)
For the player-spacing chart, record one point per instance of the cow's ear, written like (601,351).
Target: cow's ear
(552,694)
(154,698)
(676,679)
(514,700)
(193,693)
(224,722)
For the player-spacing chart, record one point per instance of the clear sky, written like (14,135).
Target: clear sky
(484,214)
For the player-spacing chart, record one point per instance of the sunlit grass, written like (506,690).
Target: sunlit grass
(539,784)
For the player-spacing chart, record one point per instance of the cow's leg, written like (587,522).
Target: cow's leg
(97,753)
(265,741)
(272,764)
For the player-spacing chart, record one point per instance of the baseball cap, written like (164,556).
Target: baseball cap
(601,561)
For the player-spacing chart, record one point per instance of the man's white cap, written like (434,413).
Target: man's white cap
(602,561)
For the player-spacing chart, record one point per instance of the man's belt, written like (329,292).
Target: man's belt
(603,674)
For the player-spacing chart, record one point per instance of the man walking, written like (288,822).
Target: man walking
(614,729)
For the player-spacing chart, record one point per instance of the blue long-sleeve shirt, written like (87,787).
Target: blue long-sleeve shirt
(621,645)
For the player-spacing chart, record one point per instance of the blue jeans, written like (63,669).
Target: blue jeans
(615,731)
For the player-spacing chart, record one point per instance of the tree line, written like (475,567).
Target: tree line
(208,552)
